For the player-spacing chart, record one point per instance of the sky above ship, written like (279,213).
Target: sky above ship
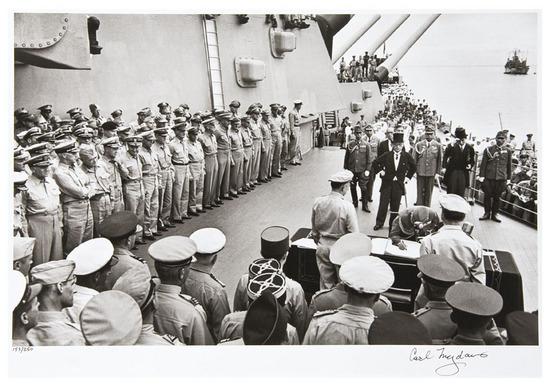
(456,39)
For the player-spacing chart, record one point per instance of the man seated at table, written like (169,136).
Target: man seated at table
(412,224)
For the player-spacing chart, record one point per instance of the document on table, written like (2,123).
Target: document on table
(305,243)
(384,246)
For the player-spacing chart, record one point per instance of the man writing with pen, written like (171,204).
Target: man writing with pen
(413,224)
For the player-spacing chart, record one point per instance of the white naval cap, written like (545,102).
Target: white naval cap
(173,250)
(22,247)
(91,255)
(208,240)
(342,176)
(367,274)
(298,102)
(348,246)
(17,287)
(456,203)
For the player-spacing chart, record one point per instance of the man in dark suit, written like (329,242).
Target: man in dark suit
(458,160)
(396,169)
(386,145)
(495,173)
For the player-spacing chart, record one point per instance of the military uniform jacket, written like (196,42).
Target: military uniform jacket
(195,152)
(294,120)
(180,315)
(81,296)
(53,328)
(428,157)
(112,167)
(275,125)
(255,130)
(247,137)
(148,336)
(436,317)
(373,143)
(232,329)
(331,217)
(209,143)
(357,157)
(99,179)
(348,324)
(178,149)
(164,156)
(333,298)
(130,168)
(296,304)
(73,183)
(222,139)
(126,261)
(496,163)
(210,292)
(266,134)
(236,140)
(149,162)
(42,196)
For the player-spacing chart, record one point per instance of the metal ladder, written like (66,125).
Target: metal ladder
(214,65)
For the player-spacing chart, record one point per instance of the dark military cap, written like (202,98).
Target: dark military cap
(501,134)
(74,111)
(522,328)
(235,104)
(45,108)
(180,123)
(68,146)
(116,113)
(178,110)
(134,141)
(161,131)
(440,270)
(124,128)
(111,142)
(20,154)
(34,131)
(84,132)
(265,322)
(118,225)
(184,105)
(275,242)
(274,105)
(205,115)
(398,328)
(38,148)
(224,116)
(93,107)
(196,119)
(40,160)
(80,125)
(20,112)
(62,133)
(255,111)
(193,130)
(263,265)
(474,298)
(264,112)
(109,125)
(161,121)
(163,105)
(235,120)
(209,120)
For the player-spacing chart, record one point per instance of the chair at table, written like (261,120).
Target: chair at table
(406,284)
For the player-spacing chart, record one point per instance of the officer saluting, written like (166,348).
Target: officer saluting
(495,173)
(428,155)
(177,314)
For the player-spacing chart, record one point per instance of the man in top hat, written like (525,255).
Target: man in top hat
(495,173)
(24,306)
(120,229)
(166,178)
(266,148)
(332,217)
(150,170)
(139,285)
(177,314)
(111,318)
(275,243)
(53,327)
(131,172)
(437,274)
(458,161)
(348,246)
(276,127)
(364,278)
(109,161)
(413,223)
(236,158)
(428,155)
(196,169)
(20,225)
(356,160)
(294,131)
(22,254)
(398,328)
(474,306)
(396,168)
(43,211)
(93,264)
(180,159)
(232,326)
(224,157)
(100,180)
(202,284)
(210,150)
(234,108)
(74,184)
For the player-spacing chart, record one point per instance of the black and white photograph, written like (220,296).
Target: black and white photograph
(344,184)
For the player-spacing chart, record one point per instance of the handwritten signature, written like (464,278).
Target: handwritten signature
(453,361)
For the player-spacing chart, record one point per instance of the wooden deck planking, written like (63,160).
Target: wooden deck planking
(288,201)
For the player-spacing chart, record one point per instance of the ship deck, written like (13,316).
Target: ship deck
(287,202)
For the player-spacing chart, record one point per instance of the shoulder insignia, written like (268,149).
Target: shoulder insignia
(319,292)
(171,339)
(325,312)
(190,299)
(217,280)
(421,311)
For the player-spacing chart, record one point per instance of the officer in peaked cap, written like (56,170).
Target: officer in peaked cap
(202,284)
(438,274)
(74,111)
(39,148)
(364,278)
(236,158)
(473,305)
(23,303)
(348,246)
(357,160)
(120,229)
(111,318)
(234,108)
(428,156)
(232,326)
(139,285)
(150,169)
(522,328)
(180,160)
(29,137)
(94,261)
(265,322)
(53,327)
(177,314)
(326,228)
(46,137)
(178,112)
(166,176)
(109,162)
(22,254)
(196,169)
(210,151)
(398,328)
(123,132)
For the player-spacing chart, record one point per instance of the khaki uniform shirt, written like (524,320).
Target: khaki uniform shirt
(178,149)
(164,156)
(99,179)
(112,167)
(180,315)
(195,152)
(149,162)
(53,328)
(126,261)
(348,324)
(209,143)
(222,139)
(332,216)
(73,183)
(130,168)
(42,196)
(81,296)
(373,143)
(236,140)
